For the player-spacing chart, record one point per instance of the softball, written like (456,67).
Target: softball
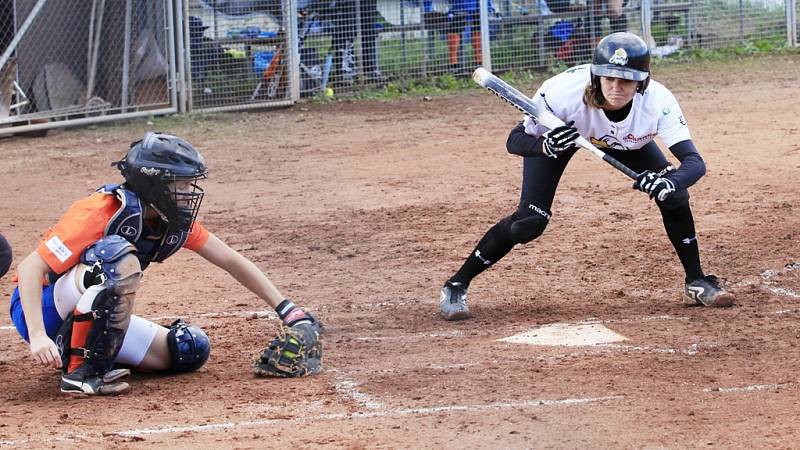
(328,93)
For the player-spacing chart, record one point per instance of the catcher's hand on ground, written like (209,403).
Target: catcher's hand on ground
(296,352)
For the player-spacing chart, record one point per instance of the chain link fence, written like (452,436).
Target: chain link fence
(348,46)
(79,61)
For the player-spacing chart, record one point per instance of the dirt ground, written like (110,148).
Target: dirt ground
(361,210)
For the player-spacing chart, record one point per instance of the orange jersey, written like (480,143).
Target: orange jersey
(83,224)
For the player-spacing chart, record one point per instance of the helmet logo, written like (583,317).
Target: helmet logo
(150,171)
(620,57)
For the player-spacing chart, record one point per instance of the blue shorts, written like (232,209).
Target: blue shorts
(52,321)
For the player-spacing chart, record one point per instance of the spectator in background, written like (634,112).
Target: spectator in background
(207,54)
(618,21)
(463,14)
(342,15)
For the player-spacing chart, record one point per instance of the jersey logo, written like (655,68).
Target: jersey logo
(485,261)
(620,57)
(695,292)
(608,142)
(57,247)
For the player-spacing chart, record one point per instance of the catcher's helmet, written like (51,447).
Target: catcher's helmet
(163,171)
(622,55)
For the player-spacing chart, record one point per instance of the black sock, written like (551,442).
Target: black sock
(495,245)
(680,230)
(291,314)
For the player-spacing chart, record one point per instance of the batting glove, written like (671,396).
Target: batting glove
(655,184)
(560,139)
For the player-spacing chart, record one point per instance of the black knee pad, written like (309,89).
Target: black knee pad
(675,202)
(528,223)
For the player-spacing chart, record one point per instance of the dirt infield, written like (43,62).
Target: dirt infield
(361,210)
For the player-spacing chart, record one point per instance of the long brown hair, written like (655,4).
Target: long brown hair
(593,95)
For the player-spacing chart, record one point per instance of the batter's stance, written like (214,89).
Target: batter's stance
(92,261)
(614,103)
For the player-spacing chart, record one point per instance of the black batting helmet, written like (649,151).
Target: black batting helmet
(153,168)
(621,55)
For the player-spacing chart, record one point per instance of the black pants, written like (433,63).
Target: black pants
(540,174)
(540,178)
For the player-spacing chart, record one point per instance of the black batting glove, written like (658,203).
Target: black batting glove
(560,139)
(655,184)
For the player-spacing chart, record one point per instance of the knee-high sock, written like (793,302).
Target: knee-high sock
(679,225)
(476,48)
(453,42)
(494,245)
(80,330)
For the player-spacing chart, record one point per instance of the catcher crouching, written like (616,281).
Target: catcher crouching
(80,317)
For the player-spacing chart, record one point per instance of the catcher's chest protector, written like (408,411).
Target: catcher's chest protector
(128,222)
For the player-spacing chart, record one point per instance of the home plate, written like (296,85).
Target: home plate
(567,334)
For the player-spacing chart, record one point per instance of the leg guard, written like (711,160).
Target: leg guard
(101,319)
(95,340)
(189,347)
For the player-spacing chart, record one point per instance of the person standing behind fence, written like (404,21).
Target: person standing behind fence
(618,21)
(342,17)
(463,14)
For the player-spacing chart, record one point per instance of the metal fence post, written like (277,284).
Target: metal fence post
(791,22)
(646,11)
(174,58)
(126,57)
(21,32)
(294,60)
(486,51)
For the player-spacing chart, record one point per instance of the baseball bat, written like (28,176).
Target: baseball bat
(519,100)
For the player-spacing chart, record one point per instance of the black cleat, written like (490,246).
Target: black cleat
(706,291)
(453,303)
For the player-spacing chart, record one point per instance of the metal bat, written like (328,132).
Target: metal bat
(519,100)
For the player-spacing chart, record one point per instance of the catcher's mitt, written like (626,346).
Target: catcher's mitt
(296,352)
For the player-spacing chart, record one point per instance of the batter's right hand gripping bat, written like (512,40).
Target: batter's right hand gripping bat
(517,99)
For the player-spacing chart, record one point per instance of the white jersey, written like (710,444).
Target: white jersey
(654,113)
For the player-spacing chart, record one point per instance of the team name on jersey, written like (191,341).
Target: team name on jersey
(646,138)
(57,247)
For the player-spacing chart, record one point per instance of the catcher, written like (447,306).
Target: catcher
(75,294)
